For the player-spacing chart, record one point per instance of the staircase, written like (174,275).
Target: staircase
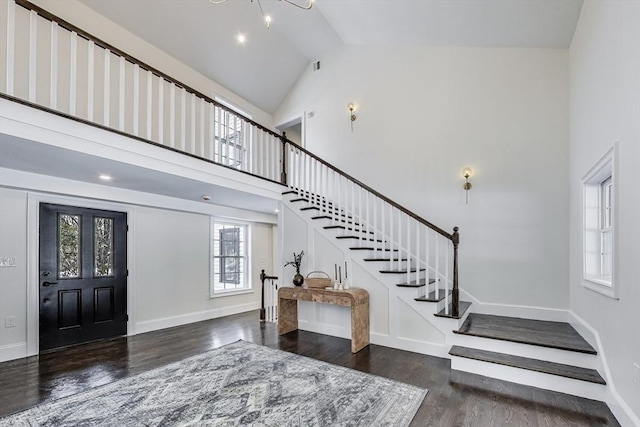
(544,354)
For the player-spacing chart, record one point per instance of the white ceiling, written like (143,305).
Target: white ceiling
(264,70)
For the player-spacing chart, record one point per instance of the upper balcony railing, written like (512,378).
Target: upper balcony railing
(53,65)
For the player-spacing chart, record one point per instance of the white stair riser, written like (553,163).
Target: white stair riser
(530,378)
(526,350)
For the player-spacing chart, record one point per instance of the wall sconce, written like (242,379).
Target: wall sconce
(351,115)
(466,173)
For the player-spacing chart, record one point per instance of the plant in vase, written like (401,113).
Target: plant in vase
(298,279)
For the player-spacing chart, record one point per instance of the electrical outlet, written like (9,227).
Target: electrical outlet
(7,261)
(10,322)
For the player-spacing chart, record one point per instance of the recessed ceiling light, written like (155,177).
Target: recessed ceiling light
(277,210)
(105,177)
(241,38)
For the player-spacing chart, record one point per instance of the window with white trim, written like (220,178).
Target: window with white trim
(229,260)
(599,226)
(232,135)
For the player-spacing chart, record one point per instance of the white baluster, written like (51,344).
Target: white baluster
(201,141)
(136,99)
(53,88)
(212,132)
(107,88)
(73,73)
(160,111)
(11,47)
(121,99)
(182,144)
(33,54)
(391,242)
(446,276)
(150,105)
(383,223)
(192,133)
(172,115)
(408,248)
(428,261)
(418,244)
(437,264)
(91,75)
(399,240)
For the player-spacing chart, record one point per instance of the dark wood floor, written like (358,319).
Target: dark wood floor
(454,398)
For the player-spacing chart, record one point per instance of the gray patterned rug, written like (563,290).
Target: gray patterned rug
(238,384)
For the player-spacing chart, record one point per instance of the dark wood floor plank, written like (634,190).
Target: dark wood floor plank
(559,369)
(527,331)
(454,398)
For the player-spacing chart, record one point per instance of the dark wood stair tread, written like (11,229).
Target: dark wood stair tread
(432,296)
(542,333)
(463,306)
(300,199)
(289,192)
(411,270)
(559,369)
(413,284)
(384,259)
(330,217)
(343,227)
(370,248)
(366,239)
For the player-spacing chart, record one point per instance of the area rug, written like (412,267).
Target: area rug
(238,384)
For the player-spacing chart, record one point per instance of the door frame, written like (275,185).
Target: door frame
(33,263)
(293,120)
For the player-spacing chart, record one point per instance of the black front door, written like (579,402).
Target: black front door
(83,275)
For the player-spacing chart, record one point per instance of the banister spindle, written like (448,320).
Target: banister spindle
(160,111)
(53,77)
(446,274)
(11,47)
(107,88)
(73,72)
(283,165)
(90,79)
(408,249)
(172,115)
(455,293)
(121,92)
(33,54)
(150,105)
(201,141)
(136,99)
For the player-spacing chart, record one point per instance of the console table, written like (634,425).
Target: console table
(357,299)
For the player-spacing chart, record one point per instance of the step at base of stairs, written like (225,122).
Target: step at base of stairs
(463,306)
(542,333)
(432,296)
(551,368)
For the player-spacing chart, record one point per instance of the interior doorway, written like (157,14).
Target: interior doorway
(82,275)
(294,129)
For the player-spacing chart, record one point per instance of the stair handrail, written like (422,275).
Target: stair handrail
(453,237)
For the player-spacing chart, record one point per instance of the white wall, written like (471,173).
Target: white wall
(605,108)
(424,113)
(168,255)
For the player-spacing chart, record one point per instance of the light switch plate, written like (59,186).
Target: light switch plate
(10,322)
(7,261)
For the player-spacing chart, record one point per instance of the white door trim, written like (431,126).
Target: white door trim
(33,266)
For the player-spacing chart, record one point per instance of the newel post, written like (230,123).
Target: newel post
(283,171)
(455,294)
(262,311)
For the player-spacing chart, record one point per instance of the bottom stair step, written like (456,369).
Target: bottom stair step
(559,369)
(463,306)
(432,296)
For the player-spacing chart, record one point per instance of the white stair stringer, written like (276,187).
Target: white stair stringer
(426,310)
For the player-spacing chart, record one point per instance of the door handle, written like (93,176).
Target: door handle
(49,283)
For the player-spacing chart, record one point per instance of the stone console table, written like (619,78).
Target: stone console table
(357,299)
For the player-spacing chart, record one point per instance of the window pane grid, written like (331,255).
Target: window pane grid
(229,257)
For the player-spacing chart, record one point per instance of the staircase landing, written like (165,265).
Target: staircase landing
(526,331)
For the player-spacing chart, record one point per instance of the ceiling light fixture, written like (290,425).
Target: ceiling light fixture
(105,177)
(241,38)
(267,18)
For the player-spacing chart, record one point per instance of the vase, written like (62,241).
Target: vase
(298,279)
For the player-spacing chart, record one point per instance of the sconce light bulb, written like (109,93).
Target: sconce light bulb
(267,21)
(351,107)
(467,172)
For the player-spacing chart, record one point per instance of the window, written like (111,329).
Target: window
(232,136)
(599,226)
(229,262)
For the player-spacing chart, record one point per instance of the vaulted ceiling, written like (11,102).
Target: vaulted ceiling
(264,69)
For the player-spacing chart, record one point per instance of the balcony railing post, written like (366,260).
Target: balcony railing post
(455,294)
(283,171)
(263,277)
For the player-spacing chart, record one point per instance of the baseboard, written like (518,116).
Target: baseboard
(514,310)
(13,351)
(620,409)
(183,319)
